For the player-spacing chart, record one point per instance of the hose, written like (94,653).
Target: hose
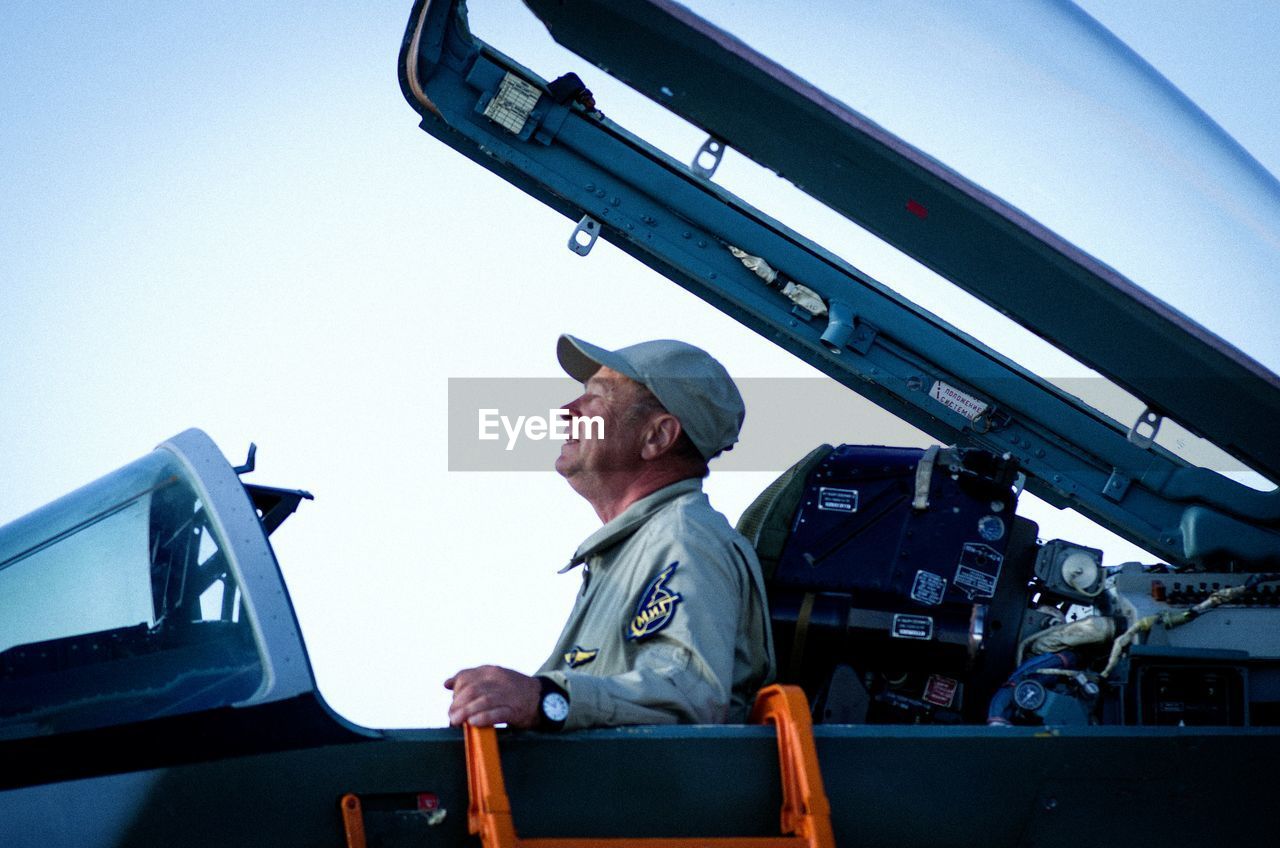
(1084,631)
(1172,619)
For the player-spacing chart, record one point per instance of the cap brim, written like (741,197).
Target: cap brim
(581,359)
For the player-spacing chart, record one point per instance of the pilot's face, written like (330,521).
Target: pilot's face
(606,454)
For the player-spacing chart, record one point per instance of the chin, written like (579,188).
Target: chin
(564,466)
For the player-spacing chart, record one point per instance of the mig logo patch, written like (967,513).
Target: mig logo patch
(656,608)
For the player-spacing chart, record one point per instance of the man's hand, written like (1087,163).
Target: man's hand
(491,695)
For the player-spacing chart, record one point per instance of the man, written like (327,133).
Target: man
(671,623)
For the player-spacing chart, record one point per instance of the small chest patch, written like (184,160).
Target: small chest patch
(579,655)
(656,608)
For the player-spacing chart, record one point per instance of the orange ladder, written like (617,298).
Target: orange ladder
(806,814)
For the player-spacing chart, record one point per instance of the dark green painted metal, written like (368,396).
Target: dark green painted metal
(970,237)
(888,786)
(653,208)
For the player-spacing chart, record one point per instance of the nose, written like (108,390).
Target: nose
(572,409)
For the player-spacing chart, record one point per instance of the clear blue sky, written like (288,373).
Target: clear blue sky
(225,216)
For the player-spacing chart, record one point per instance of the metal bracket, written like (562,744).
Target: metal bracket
(708,157)
(1148,420)
(584,235)
(924,477)
(1116,486)
(250,462)
(991,418)
(864,335)
(274,505)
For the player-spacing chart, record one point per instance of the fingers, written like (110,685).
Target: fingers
(477,697)
(470,690)
(480,713)
(468,674)
(487,718)
(491,695)
(468,701)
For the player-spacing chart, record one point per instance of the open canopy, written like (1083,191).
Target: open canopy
(1098,206)
(1203,199)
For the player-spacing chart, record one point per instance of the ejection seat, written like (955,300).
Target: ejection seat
(896,580)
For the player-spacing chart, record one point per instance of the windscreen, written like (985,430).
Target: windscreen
(1043,107)
(118,603)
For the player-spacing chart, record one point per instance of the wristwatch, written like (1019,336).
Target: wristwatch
(553,705)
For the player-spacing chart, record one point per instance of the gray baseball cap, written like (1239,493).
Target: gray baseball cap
(687,380)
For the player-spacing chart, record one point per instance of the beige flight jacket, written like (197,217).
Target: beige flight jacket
(671,624)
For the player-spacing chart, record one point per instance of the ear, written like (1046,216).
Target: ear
(660,436)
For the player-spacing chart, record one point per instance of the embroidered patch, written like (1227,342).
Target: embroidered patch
(656,608)
(580,656)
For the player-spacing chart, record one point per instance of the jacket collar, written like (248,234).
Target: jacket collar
(630,520)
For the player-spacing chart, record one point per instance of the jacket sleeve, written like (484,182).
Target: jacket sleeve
(681,665)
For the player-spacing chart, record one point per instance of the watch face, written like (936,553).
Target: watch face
(555,706)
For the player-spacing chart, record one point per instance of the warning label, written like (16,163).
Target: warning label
(912,626)
(837,500)
(957,401)
(979,570)
(928,588)
(941,691)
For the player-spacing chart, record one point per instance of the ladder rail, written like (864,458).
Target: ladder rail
(805,816)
